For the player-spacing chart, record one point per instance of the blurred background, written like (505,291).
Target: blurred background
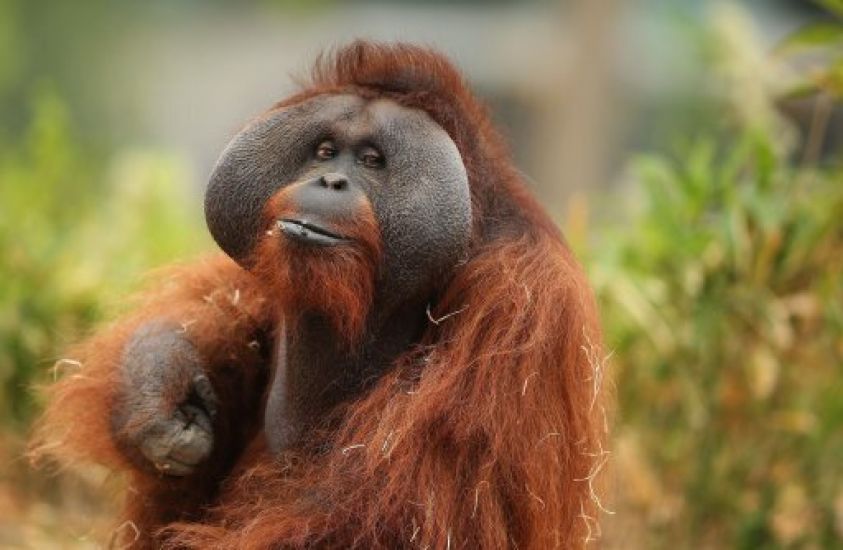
(691,151)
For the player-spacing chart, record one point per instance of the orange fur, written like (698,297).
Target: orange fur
(208,299)
(488,434)
(338,282)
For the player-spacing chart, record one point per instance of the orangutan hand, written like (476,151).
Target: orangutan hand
(166,407)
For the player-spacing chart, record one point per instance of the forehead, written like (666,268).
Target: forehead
(355,117)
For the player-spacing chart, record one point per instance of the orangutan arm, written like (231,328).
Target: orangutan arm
(171,394)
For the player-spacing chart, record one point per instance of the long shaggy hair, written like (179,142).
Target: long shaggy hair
(490,433)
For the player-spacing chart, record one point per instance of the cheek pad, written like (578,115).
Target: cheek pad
(424,207)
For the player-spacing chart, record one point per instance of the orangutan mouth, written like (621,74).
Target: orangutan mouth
(307,232)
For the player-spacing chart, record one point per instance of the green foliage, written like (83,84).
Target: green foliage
(817,51)
(10,62)
(834,6)
(74,235)
(724,305)
(722,298)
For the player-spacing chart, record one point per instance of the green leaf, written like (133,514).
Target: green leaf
(814,35)
(834,6)
(833,81)
(802,89)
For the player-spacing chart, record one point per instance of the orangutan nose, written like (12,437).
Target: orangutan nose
(335,181)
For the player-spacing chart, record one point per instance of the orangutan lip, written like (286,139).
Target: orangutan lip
(308,232)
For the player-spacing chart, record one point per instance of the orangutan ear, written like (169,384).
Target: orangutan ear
(268,154)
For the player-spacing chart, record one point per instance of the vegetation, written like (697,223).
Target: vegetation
(724,305)
(723,301)
(73,237)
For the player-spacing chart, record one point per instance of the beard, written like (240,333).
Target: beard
(336,281)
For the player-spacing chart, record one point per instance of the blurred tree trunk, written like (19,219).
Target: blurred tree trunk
(576,134)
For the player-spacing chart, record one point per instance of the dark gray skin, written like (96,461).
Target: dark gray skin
(159,362)
(420,195)
(410,171)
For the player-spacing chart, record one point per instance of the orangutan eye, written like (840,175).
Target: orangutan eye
(326,150)
(371,158)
